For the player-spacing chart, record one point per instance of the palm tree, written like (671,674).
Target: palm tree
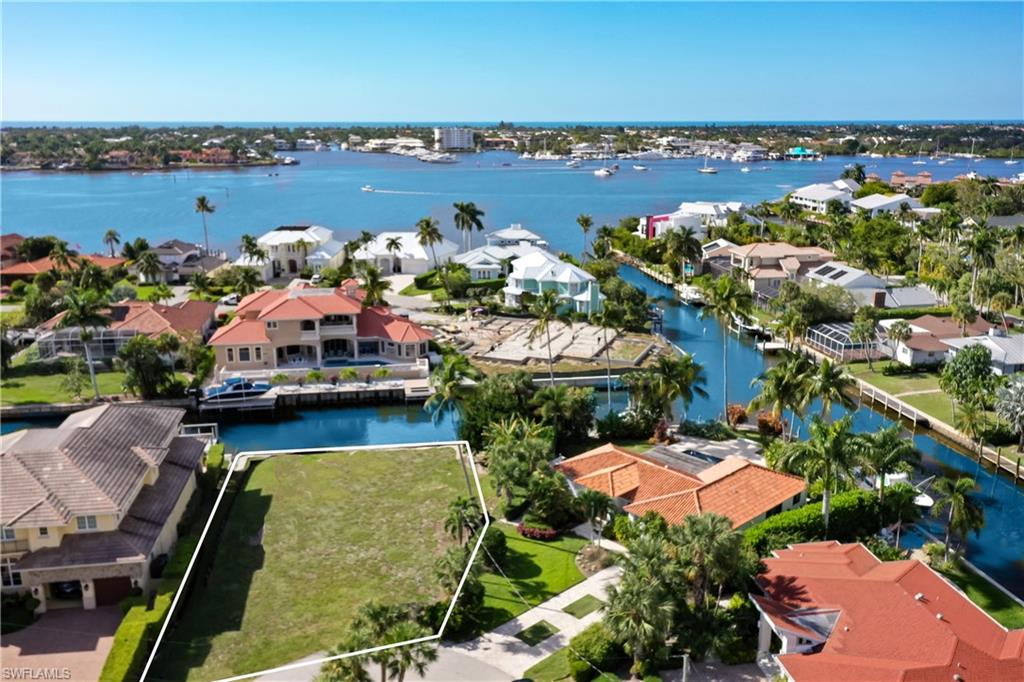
(709,547)
(1010,406)
(789,211)
(428,234)
(609,317)
(374,285)
(828,455)
(84,310)
(727,299)
(638,615)
(451,383)
(546,309)
(247,281)
(63,259)
(972,421)
(1001,303)
(462,518)
(161,292)
(681,246)
(393,245)
(830,383)
(168,344)
(553,404)
(902,501)
(963,313)
(204,207)
(585,222)
(252,250)
(792,325)
(149,266)
(865,331)
(414,657)
(897,333)
(111,238)
(135,248)
(980,250)
(467,216)
(887,452)
(596,506)
(200,283)
(784,386)
(963,512)
(677,378)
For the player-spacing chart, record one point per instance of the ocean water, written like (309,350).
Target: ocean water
(544,196)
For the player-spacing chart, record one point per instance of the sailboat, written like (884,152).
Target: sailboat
(1012,161)
(920,157)
(707,169)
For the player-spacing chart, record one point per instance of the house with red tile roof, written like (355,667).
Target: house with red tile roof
(843,615)
(315,327)
(9,248)
(29,269)
(127,319)
(733,486)
(766,265)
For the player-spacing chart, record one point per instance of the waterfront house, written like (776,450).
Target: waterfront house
(411,257)
(542,271)
(291,248)
(843,615)
(179,260)
(901,180)
(1007,351)
(127,319)
(494,259)
(313,327)
(868,289)
(89,507)
(766,265)
(816,197)
(927,345)
(698,216)
(119,158)
(678,485)
(28,270)
(875,204)
(9,248)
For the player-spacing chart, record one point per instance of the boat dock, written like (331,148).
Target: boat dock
(291,395)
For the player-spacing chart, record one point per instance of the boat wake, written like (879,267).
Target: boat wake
(400,191)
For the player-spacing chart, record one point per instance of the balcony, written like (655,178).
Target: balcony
(13,546)
(310,335)
(330,330)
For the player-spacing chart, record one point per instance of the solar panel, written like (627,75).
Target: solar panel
(838,274)
(825,270)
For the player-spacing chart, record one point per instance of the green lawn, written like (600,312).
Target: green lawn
(413,290)
(537,570)
(554,668)
(12,318)
(1006,611)
(583,606)
(309,539)
(22,387)
(537,633)
(142,291)
(900,383)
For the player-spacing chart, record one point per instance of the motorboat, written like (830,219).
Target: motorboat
(1011,161)
(234,391)
(604,172)
(638,167)
(745,169)
(692,295)
(367,188)
(575,163)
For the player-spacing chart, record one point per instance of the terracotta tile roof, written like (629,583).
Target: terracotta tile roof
(299,304)
(735,487)
(382,323)
(945,327)
(34,267)
(780,250)
(240,331)
(896,621)
(153,319)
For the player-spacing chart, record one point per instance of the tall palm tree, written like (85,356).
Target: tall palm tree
(252,250)
(980,250)
(638,614)
(85,310)
(596,507)
(963,512)
(963,312)
(200,283)
(829,455)
(784,386)
(727,299)
(677,377)
(609,317)
(428,233)
(63,259)
(681,246)
(897,333)
(393,245)
(374,285)
(111,238)
(248,281)
(709,548)
(451,382)
(829,383)
(546,309)
(415,657)
(902,501)
(972,421)
(553,406)
(467,217)
(887,452)
(203,207)
(585,222)
(462,518)
(168,344)
(149,266)
(792,325)
(789,211)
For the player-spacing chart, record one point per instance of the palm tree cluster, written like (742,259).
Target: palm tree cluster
(730,301)
(794,384)
(654,392)
(378,625)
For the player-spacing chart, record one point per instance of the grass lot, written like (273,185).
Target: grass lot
(22,387)
(142,291)
(12,318)
(537,570)
(308,540)
(583,606)
(554,668)
(1006,611)
(902,383)
(537,633)
(413,290)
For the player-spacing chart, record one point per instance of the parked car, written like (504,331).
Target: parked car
(69,589)
(230,299)
(315,279)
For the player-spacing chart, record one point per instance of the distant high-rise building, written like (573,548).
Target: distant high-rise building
(453,138)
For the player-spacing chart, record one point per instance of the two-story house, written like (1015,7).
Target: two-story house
(401,252)
(494,259)
(766,265)
(179,260)
(88,507)
(290,248)
(312,327)
(542,271)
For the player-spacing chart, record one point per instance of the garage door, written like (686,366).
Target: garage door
(111,590)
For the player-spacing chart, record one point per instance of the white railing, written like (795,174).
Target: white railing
(209,430)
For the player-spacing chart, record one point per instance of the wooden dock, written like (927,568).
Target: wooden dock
(292,396)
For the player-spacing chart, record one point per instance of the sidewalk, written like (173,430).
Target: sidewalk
(501,649)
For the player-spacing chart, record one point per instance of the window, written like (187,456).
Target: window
(796,499)
(231,354)
(271,325)
(44,532)
(9,577)
(243,355)
(86,522)
(259,354)
(6,533)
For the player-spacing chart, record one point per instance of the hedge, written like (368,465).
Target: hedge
(593,648)
(140,626)
(853,514)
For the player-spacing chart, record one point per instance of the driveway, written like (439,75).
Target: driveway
(75,640)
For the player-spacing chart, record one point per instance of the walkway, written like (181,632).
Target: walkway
(64,644)
(501,648)
(925,391)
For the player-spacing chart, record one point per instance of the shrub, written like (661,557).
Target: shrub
(18,287)
(495,547)
(536,531)
(711,430)
(768,424)
(615,427)
(427,280)
(736,414)
(121,292)
(593,648)
(854,514)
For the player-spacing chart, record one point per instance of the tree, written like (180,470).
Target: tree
(865,331)
(247,281)
(134,249)
(546,309)
(149,266)
(145,372)
(252,250)
(963,313)
(897,333)
(84,310)
(855,173)
(677,377)
(963,512)
(74,381)
(168,344)
(784,386)
(968,374)
(728,300)
(568,410)
(901,501)
(1010,406)
(415,656)
(203,207)
(709,549)
(792,325)
(467,217)
(638,613)
(972,421)
(887,452)
(63,259)
(200,283)
(161,292)
(829,383)
(451,382)
(463,517)
(393,245)
(585,222)
(596,507)
(374,285)
(609,317)
(428,234)
(789,211)
(681,246)
(111,238)
(828,455)
(980,251)
(516,448)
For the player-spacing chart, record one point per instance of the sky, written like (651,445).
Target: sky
(515,62)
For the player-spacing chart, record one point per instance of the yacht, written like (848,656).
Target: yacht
(604,172)
(367,188)
(575,163)
(745,169)
(708,170)
(638,167)
(289,161)
(234,391)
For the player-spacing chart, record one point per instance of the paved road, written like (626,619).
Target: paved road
(74,640)
(451,666)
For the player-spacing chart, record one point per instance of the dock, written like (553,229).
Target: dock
(348,393)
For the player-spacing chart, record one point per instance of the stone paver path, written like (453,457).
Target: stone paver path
(501,649)
(921,392)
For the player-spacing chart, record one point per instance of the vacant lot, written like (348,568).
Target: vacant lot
(20,386)
(308,539)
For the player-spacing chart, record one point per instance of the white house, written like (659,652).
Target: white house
(515,235)
(1007,351)
(542,271)
(409,257)
(290,248)
(493,260)
(694,215)
(816,197)
(874,204)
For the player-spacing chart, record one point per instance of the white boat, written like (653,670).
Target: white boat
(575,163)
(367,188)
(920,157)
(289,161)
(692,295)
(1011,161)
(638,167)
(234,391)
(604,172)
(706,169)
(745,169)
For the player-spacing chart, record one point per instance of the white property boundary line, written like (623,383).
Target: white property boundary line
(462,449)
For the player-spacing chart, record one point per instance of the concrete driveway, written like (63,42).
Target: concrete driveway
(67,639)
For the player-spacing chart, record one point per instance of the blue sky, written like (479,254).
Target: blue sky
(518,62)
